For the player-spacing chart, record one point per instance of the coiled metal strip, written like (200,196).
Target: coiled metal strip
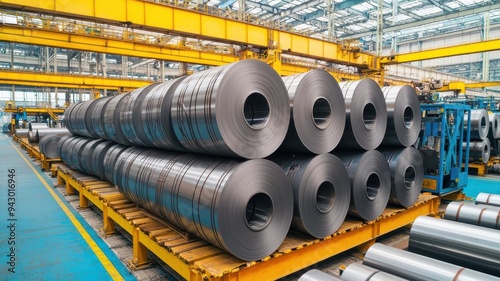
(48,146)
(482,215)
(360,272)
(479,124)
(478,150)
(488,199)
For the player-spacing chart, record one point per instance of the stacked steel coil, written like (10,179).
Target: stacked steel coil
(488,199)
(48,146)
(37,134)
(317,112)
(6,128)
(407,175)
(479,150)
(494,131)
(35,126)
(403,116)
(479,143)
(366,114)
(482,215)
(321,192)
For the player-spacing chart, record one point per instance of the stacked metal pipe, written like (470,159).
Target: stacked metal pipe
(482,215)
(488,199)
(419,268)
(479,143)
(459,243)
(317,112)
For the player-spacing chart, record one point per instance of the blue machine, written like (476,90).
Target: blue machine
(445,163)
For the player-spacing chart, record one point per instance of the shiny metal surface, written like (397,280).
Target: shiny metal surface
(488,199)
(360,272)
(478,150)
(458,243)
(80,115)
(22,133)
(366,114)
(482,215)
(317,112)
(48,146)
(403,116)
(419,268)
(111,119)
(40,133)
(95,118)
(479,124)
(97,158)
(239,109)
(318,275)
(494,131)
(370,179)
(321,192)
(32,137)
(407,175)
(109,160)
(35,126)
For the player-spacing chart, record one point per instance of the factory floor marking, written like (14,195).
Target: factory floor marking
(107,264)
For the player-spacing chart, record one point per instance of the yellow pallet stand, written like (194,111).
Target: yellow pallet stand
(195,259)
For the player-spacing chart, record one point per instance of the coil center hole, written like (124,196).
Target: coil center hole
(322,113)
(325,197)
(408,117)
(259,211)
(256,111)
(372,186)
(369,116)
(409,177)
(486,149)
(495,124)
(483,123)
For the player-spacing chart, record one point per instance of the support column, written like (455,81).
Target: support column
(394,41)
(330,9)
(47,66)
(55,60)
(11,45)
(124,66)
(13,95)
(242,10)
(79,62)
(380,24)
(104,66)
(162,71)
(486,36)
(419,49)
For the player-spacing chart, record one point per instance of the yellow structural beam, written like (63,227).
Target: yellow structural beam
(460,87)
(34,110)
(463,49)
(41,79)
(209,23)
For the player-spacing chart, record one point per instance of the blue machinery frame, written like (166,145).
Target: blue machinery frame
(446,165)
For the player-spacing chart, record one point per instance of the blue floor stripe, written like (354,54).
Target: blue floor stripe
(48,246)
(477,184)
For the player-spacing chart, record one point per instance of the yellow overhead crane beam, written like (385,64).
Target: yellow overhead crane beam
(463,49)
(207,23)
(35,110)
(460,87)
(41,79)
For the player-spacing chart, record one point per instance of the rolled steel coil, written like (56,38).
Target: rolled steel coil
(112,126)
(482,215)
(495,168)
(35,126)
(32,137)
(80,116)
(98,154)
(22,133)
(6,128)
(321,192)
(370,179)
(60,145)
(239,109)
(48,146)
(479,124)
(419,268)
(459,243)
(95,118)
(41,133)
(318,275)
(488,199)
(366,114)
(360,272)
(69,151)
(494,131)
(403,116)
(478,150)
(317,112)
(110,158)
(407,175)
(69,121)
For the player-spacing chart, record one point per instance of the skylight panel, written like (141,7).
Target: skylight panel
(409,5)
(274,2)
(429,10)
(355,27)
(362,7)
(453,4)
(470,2)
(398,18)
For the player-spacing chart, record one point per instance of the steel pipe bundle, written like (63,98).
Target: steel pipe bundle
(360,272)
(403,116)
(35,126)
(478,150)
(318,275)
(370,179)
(321,192)
(482,215)
(239,109)
(366,118)
(479,124)
(48,146)
(244,207)
(494,131)
(488,199)
(407,175)
(317,112)
(22,133)
(419,268)
(459,243)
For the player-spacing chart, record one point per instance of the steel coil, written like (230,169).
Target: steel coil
(366,118)
(32,137)
(494,131)
(48,146)
(482,215)
(407,175)
(69,121)
(317,112)
(321,192)
(22,133)
(95,118)
(112,119)
(60,145)
(403,116)
(478,150)
(110,158)
(479,124)
(419,268)
(459,243)
(35,126)
(318,275)
(80,116)
(370,179)
(239,109)
(41,133)
(488,199)
(360,272)
(6,128)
